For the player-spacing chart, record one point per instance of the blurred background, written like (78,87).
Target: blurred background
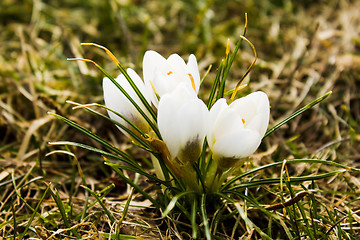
(305,49)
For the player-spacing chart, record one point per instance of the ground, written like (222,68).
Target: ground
(304,50)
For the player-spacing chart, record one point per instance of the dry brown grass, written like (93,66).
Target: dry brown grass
(304,50)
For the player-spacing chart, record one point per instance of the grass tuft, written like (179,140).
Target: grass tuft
(301,184)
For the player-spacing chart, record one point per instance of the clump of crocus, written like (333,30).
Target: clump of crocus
(195,147)
(233,131)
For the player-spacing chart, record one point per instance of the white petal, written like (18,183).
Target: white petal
(163,84)
(255,110)
(238,144)
(151,61)
(116,100)
(177,63)
(182,120)
(192,117)
(193,69)
(167,124)
(214,114)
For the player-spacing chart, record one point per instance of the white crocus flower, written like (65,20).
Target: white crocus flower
(164,75)
(117,101)
(182,124)
(235,130)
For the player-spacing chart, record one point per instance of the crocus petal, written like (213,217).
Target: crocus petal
(255,109)
(167,125)
(237,144)
(193,69)
(162,76)
(177,63)
(116,100)
(182,123)
(151,61)
(235,131)
(192,121)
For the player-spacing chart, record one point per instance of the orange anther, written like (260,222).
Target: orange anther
(192,81)
(170,72)
(243,121)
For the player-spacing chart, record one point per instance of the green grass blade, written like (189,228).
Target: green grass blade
(126,75)
(127,130)
(251,171)
(92,135)
(228,62)
(256,183)
(295,114)
(138,92)
(124,213)
(204,216)
(221,90)
(93,149)
(95,195)
(61,208)
(173,202)
(26,203)
(141,172)
(102,193)
(14,222)
(153,115)
(215,85)
(33,215)
(193,219)
(134,166)
(135,186)
(243,215)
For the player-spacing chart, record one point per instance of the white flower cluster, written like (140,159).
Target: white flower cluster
(171,86)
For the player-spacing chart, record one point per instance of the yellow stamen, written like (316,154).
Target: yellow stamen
(170,72)
(192,81)
(153,87)
(227,47)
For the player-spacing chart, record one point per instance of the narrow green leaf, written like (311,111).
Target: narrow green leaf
(228,63)
(172,203)
(61,208)
(127,130)
(122,158)
(93,136)
(138,92)
(215,85)
(34,213)
(205,217)
(243,215)
(251,171)
(95,195)
(126,207)
(102,193)
(257,183)
(142,172)
(16,188)
(295,114)
(153,115)
(193,219)
(137,188)
(14,221)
